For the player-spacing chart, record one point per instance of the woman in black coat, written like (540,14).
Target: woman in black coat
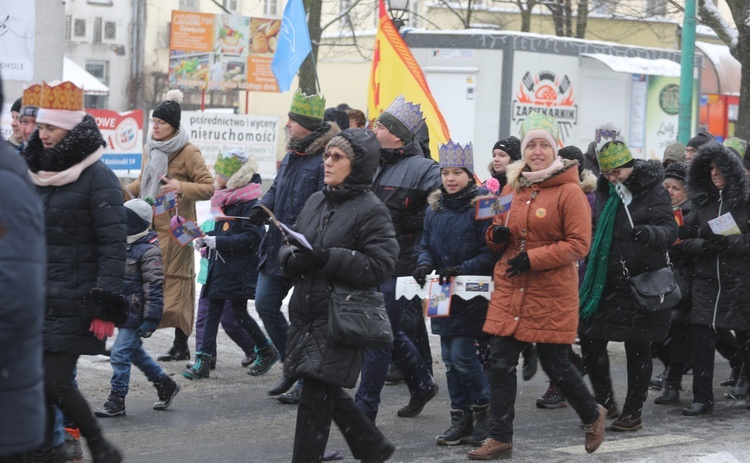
(643,247)
(675,351)
(86,234)
(718,184)
(355,246)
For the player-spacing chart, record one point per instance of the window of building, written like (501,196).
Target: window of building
(656,7)
(98,69)
(233,6)
(271,8)
(189,5)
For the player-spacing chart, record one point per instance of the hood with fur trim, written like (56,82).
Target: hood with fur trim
(646,174)
(588,181)
(516,180)
(243,176)
(316,142)
(700,187)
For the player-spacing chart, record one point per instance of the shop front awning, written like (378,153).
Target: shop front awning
(73,72)
(721,71)
(636,65)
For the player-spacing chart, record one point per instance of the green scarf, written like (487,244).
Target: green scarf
(596,271)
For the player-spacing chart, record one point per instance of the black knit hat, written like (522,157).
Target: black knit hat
(700,140)
(510,145)
(573,153)
(16,107)
(678,170)
(169,110)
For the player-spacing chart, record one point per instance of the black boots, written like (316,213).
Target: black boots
(179,350)
(167,389)
(282,385)
(175,353)
(200,369)
(265,357)
(417,402)
(697,408)
(670,394)
(462,427)
(739,391)
(481,425)
(114,406)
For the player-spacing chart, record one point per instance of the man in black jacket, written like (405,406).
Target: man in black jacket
(22,250)
(403,181)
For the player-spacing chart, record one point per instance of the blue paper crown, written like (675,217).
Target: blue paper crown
(408,113)
(606,133)
(454,155)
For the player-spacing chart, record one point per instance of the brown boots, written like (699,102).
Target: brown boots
(595,431)
(492,449)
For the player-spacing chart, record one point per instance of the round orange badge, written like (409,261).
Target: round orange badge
(541,212)
(226,226)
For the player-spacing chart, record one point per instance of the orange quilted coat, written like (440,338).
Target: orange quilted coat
(551,221)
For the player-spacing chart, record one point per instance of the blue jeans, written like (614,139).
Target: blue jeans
(376,361)
(126,351)
(270,292)
(239,309)
(467,383)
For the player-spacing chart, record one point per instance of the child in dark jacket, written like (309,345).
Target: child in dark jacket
(453,244)
(144,289)
(232,253)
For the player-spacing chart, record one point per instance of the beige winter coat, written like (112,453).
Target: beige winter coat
(188,166)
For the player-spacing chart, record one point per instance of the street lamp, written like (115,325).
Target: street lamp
(398,9)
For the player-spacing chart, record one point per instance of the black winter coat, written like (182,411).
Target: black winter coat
(233,272)
(453,237)
(682,266)
(22,276)
(616,319)
(721,284)
(403,181)
(363,254)
(144,281)
(86,242)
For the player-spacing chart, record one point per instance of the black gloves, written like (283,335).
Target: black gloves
(447,273)
(517,265)
(302,262)
(420,274)
(639,234)
(715,245)
(688,231)
(500,234)
(257,216)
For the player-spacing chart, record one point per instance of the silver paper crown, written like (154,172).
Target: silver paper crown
(606,133)
(408,113)
(453,154)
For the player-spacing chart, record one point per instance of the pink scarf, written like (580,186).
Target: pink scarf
(543,174)
(69,175)
(223,198)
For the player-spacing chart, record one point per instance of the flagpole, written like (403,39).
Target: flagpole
(315,68)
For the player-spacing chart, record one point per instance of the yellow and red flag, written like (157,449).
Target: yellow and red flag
(395,72)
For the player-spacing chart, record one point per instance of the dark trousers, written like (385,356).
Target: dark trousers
(180,339)
(704,345)
(639,368)
(376,361)
(414,327)
(680,353)
(555,360)
(60,391)
(319,404)
(26,457)
(239,308)
(230,324)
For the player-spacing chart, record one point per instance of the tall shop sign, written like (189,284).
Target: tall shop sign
(17,33)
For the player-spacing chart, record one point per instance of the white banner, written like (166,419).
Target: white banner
(256,134)
(17,39)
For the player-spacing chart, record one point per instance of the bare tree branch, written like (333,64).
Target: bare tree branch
(713,19)
(343,14)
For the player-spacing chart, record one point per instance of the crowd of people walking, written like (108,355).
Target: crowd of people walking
(370,206)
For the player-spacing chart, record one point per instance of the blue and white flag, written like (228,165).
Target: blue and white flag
(293,46)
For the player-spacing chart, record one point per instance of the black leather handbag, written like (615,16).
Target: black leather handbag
(357,318)
(654,291)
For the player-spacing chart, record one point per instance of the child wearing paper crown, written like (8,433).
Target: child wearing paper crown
(453,244)
(144,288)
(232,253)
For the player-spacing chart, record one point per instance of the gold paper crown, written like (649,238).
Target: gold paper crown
(63,96)
(32,96)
